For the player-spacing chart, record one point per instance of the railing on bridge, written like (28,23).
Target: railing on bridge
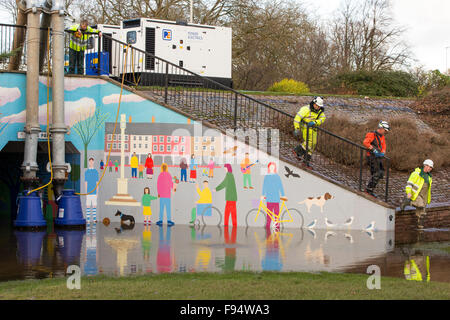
(204,99)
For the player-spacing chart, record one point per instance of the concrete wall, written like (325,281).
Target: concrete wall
(310,198)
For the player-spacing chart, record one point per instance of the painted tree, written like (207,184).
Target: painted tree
(88,128)
(3,126)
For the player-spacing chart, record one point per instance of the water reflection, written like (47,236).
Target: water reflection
(29,247)
(143,249)
(164,259)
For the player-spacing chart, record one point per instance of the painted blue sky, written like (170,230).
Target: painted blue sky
(80,99)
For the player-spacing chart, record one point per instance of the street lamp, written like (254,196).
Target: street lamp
(446,60)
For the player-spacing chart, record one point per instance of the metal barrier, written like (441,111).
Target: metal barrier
(205,99)
(12,52)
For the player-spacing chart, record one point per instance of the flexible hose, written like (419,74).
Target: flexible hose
(115,125)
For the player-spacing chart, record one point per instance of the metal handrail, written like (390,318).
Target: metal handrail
(237,97)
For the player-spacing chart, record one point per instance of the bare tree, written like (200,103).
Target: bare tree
(364,37)
(10,6)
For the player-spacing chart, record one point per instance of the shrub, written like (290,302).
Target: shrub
(376,83)
(289,86)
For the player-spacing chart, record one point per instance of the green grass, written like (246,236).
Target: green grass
(226,286)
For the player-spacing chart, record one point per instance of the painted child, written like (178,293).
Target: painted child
(211,168)
(110,165)
(146,200)
(116,166)
(141,171)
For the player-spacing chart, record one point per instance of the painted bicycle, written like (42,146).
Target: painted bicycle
(286,216)
(206,214)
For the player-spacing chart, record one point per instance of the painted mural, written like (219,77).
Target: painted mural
(160,167)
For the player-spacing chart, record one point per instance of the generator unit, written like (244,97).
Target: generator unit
(110,53)
(202,49)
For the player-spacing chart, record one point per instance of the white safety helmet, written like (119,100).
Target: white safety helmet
(384,125)
(429,163)
(318,101)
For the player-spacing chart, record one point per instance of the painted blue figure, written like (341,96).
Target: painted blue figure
(272,259)
(91,179)
(272,191)
(90,266)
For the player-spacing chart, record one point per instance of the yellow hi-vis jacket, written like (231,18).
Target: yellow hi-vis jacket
(307,115)
(415,184)
(413,272)
(80,44)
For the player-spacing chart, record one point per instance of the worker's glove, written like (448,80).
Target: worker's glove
(375,152)
(406,202)
(311,124)
(296,133)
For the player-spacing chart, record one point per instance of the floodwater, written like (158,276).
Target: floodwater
(112,250)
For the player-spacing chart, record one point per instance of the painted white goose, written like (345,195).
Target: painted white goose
(349,221)
(329,223)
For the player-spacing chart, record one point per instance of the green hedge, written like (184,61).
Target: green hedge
(377,83)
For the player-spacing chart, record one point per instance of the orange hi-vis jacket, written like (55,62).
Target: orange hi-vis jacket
(375,140)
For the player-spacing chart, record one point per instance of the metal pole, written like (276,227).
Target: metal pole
(446,61)
(306,145)
(45,23)
(166,82)
(388,167)
(32,128)
(361,155)
(58,128)
(99,56)
(235,110)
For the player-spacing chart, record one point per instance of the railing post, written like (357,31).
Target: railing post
(361,156)
(388,165)
(235,110)
(166,82)
(99,56)
(306,145)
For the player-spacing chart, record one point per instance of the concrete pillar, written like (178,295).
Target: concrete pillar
(58,128)
(32,129)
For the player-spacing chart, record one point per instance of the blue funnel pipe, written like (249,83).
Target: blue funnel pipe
(69,210)
(30,211)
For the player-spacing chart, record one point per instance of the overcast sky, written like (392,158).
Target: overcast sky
(427,23)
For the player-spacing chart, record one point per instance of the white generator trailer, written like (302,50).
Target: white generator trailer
(201,49)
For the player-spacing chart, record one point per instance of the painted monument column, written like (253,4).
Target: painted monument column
(122,197)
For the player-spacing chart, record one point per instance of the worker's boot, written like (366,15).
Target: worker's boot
(299,151)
